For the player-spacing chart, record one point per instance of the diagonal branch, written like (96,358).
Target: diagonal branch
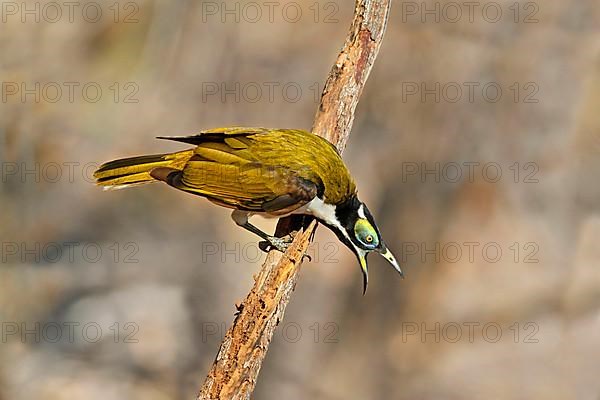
(349,74)
(236,366)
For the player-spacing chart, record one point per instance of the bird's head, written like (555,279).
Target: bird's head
(356,228)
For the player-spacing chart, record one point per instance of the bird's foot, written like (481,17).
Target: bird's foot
(273,242)
(280,244)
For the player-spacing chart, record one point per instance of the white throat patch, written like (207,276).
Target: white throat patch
(323,211)
(318,208)
(326,212)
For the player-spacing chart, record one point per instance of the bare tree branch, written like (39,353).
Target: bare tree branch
(348,75)
(236,367)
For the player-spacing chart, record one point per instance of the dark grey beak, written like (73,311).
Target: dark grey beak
(387,254)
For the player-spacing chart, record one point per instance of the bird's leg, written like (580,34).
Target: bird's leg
(281,244)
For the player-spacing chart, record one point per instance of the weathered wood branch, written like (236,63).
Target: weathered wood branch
(236,366)
(349,74)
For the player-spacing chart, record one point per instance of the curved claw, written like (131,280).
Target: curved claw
(264,246)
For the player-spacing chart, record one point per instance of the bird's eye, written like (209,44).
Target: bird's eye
(366,234)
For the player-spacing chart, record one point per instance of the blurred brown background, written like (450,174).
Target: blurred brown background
(125,295)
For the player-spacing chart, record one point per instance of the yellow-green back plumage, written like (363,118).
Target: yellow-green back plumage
(256,169)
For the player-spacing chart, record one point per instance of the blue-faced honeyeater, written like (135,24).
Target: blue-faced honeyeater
(270,172)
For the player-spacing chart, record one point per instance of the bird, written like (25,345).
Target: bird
(262,171)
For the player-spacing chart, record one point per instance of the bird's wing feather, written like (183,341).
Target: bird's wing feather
(217,135)
(250,187)
(225,169)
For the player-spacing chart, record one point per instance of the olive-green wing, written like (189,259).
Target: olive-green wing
(251,187)
(226,171)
